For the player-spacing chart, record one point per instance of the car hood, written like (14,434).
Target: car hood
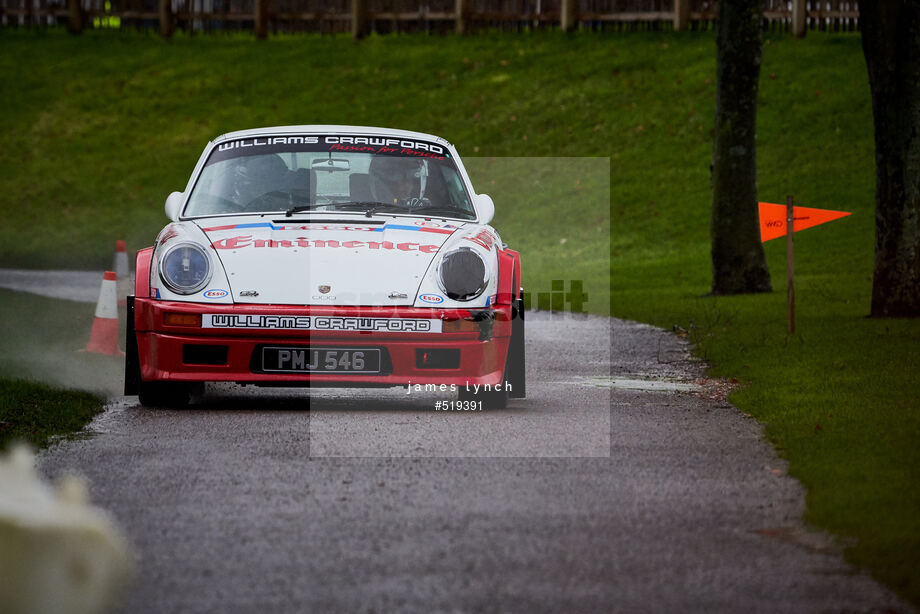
(325,262)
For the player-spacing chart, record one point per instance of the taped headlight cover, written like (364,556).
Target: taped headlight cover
(185,268)
(463,274)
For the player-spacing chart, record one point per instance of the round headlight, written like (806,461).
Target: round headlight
(463,274)
(185,268)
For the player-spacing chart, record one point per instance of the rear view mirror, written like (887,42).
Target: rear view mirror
(331,165)
(173,205)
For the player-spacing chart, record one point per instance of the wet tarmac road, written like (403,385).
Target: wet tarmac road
(597,493)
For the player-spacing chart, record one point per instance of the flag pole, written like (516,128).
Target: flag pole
(790,269)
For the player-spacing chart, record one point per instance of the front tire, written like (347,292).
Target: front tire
(491,399)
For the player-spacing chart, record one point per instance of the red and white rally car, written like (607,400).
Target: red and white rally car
(327,256)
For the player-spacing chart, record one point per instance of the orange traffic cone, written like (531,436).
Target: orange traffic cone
(104,337)
(123,282)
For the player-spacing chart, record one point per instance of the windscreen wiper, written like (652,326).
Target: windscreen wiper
(289,196)
(449,210)
(300,208)
(372,206)
(358,203)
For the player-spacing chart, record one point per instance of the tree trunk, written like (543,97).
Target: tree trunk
(166,18)
(891,44)
(260,23)
(738,262)
(358,19)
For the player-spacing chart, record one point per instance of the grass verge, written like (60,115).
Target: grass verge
(98,129)
(48,387)
(34,412)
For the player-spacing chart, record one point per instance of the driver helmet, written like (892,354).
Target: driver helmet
(256,175)
(397,178)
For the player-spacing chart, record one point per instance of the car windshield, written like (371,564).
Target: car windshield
(291,174)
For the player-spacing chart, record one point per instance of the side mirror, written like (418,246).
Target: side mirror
(485,208)
(173,205)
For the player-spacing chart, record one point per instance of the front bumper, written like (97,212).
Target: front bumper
(163,352)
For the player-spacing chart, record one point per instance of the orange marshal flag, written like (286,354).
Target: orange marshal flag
(773,219)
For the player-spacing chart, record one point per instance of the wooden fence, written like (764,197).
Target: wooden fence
(382,16)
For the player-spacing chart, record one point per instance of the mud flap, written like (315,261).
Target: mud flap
(515,370)
(132,362)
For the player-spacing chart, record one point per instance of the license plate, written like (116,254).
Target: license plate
(320,360)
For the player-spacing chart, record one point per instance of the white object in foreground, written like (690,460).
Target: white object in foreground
(57,553)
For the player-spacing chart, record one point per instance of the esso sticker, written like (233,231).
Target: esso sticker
(428,224)
(214,293)
(431,298)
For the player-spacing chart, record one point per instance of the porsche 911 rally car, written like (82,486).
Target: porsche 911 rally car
(327,256)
